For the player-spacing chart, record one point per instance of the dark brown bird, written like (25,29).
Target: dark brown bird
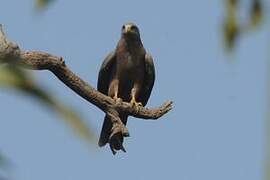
(127,74)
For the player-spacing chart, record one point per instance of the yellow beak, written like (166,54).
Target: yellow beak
(127,28)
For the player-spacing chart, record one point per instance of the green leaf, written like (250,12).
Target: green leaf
(230,25)
(231,32)
(42,4)
(256,13)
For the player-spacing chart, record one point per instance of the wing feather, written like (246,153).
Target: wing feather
(105,73)
(149,79)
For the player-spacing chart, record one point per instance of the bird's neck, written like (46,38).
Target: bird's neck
(131,44)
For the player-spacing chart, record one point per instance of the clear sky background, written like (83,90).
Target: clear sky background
(215,131)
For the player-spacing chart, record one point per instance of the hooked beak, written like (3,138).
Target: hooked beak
(127,29)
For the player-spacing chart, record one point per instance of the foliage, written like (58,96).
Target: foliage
(16,78)
(42,4)
(232,28)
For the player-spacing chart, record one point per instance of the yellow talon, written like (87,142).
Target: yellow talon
(134,103)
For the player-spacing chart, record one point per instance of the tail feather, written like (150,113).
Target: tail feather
(106,130)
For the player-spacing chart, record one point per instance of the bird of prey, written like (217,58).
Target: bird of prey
(127,74)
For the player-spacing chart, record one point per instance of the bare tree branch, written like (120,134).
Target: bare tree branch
(10,53)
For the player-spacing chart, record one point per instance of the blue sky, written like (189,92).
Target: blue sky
(215,131)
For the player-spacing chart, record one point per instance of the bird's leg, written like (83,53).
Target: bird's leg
(113,91)
(116,98)
(133,101)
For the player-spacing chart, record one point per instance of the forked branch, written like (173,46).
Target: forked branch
(10,53)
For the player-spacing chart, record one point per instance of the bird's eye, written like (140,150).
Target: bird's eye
(123,27)
(133,28)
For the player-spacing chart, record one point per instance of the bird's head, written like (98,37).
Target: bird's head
(130,30)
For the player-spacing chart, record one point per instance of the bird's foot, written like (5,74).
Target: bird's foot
(135,104)
(117,100)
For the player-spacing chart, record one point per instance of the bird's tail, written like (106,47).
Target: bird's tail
(106,130)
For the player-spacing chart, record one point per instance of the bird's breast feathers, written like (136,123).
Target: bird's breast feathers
(129,62)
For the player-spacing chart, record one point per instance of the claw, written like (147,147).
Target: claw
(134,103)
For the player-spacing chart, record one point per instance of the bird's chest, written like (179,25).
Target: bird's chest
(129,64)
